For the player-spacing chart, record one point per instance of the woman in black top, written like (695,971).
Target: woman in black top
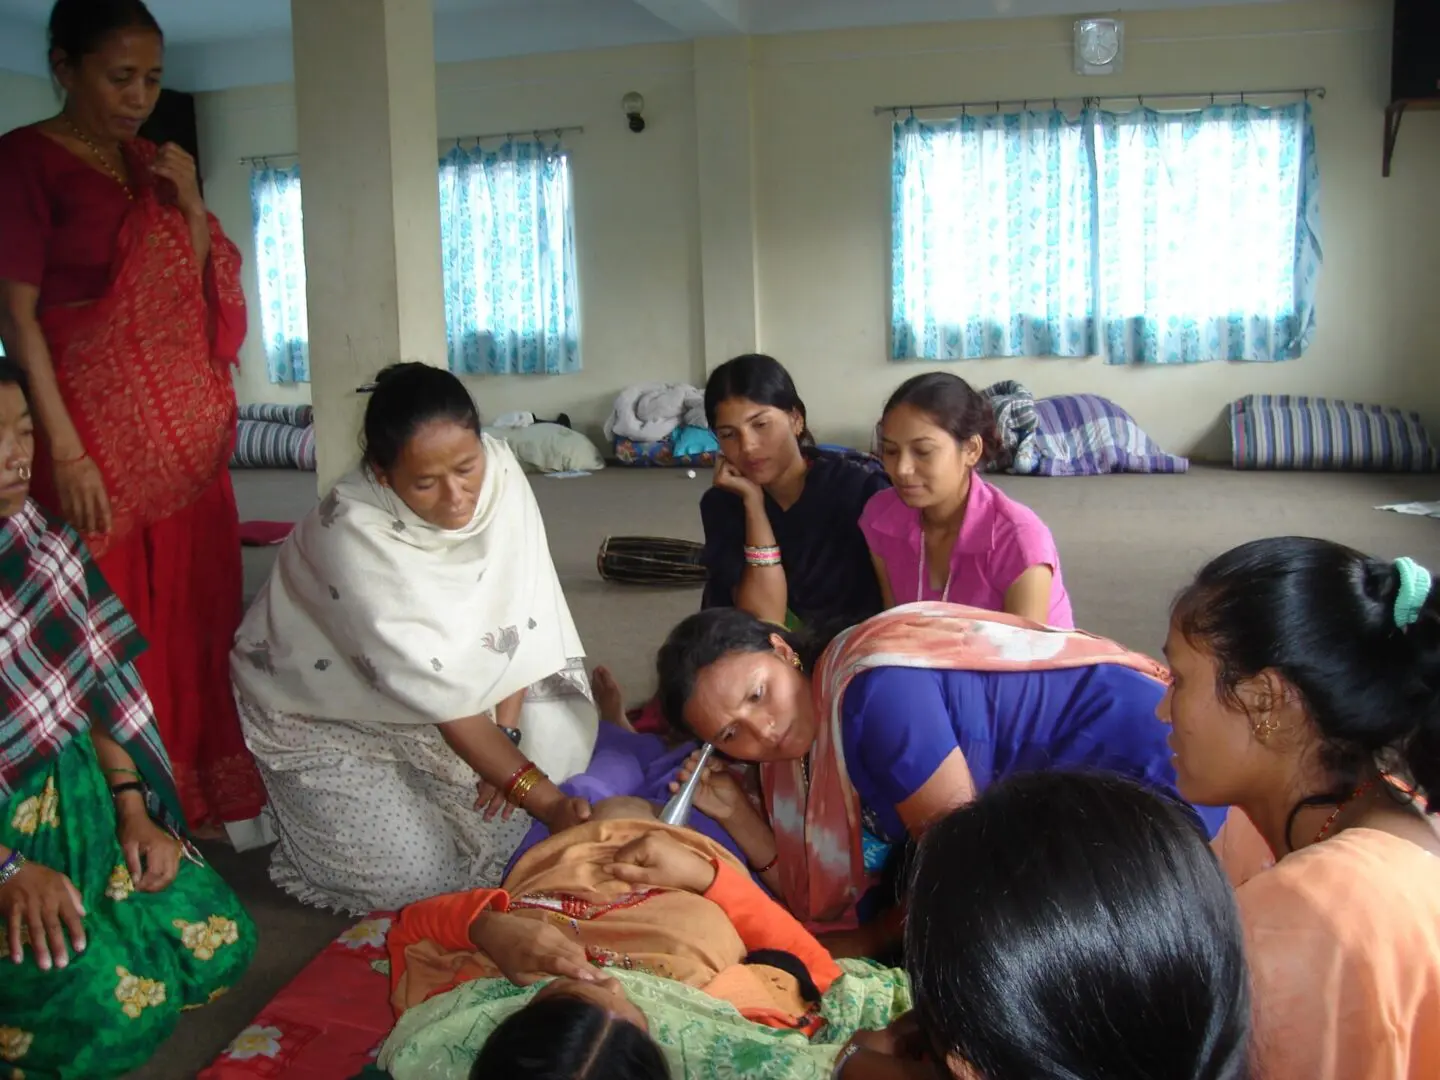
(782,535)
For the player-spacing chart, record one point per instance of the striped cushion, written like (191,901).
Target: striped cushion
(263,445)
(1277,431)
(301,416)
(1088,435)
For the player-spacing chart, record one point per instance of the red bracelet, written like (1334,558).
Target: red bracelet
(768,866)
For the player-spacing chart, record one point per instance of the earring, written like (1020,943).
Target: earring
(796,661)
(1263,730)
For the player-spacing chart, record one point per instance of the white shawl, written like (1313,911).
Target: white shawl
(371,615)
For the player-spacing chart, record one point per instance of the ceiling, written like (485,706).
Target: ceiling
(215,44)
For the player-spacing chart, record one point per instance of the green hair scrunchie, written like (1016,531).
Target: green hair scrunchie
(1414,590)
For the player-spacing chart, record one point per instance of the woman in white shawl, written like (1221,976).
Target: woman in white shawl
(412,636)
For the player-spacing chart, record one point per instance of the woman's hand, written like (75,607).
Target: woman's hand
(719,795)
(151,853)
(82,494)
(661,861)
(564,813)
(729,478)
(492,800)
(46,903)
(527,951)
(174,164)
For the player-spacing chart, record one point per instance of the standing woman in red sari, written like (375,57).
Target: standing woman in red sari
(120,297)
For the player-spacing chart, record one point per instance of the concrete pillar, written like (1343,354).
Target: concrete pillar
(369,153)
(724,131)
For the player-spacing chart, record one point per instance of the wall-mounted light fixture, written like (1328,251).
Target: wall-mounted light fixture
(634,106)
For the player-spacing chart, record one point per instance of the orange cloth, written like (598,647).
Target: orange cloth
(1343,940)
(698,940)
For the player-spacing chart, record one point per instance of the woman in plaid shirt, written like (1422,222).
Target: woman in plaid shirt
(112,922)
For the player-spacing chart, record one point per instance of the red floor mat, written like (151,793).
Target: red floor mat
(328,1022)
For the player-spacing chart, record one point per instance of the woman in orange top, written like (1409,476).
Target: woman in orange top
(120,297)
(1307,694)
(620,891)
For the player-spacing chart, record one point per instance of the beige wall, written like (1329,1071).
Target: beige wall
(25,99)
(821,206)
(636,209)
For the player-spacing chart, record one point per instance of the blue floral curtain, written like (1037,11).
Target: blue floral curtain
(1147,237)
(507,243)
(280,267)
(992,235)
(1209,226)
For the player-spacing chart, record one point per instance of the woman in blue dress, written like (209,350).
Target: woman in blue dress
(862,744)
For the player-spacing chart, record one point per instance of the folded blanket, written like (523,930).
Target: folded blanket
(649,412)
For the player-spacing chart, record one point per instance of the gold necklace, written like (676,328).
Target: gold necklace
(104,163)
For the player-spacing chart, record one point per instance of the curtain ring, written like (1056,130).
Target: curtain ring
(1242,97)
(997,107)
(1212,98)
(1055,104)
(912,112)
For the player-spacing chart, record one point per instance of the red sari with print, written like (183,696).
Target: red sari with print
(143,340)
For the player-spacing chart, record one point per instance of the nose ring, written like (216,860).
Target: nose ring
(24,471)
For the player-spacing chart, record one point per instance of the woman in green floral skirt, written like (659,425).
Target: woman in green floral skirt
(112,923)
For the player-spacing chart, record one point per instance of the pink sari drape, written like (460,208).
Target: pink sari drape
(818,832)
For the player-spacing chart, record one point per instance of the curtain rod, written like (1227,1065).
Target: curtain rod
(531,133)
(1090,99)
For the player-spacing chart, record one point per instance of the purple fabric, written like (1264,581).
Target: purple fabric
(626,763)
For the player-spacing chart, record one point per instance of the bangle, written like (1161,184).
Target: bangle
(762,556)
(71,461)
(121,789)
(851,1049)
(522,783)
(11,866)
(767,867)
(122,772)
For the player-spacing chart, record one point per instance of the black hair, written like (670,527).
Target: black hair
(564,1038)
(80,27)
(403,399)
(1322,615)
(710,635)
(1068,925)
(761,379)
(953,404)
(12,374)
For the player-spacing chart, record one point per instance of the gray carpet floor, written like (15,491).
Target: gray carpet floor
(1128,543)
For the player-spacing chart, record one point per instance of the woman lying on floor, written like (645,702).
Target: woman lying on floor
(898,721)
(1056,982)
(113,924)
(412,622)
(656,927)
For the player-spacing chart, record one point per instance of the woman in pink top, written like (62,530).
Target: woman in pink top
(942,532)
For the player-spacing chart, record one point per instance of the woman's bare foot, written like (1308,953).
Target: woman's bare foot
(608,700)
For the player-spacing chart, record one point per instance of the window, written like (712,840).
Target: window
(507,245)
(1147,237)
(280,267)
